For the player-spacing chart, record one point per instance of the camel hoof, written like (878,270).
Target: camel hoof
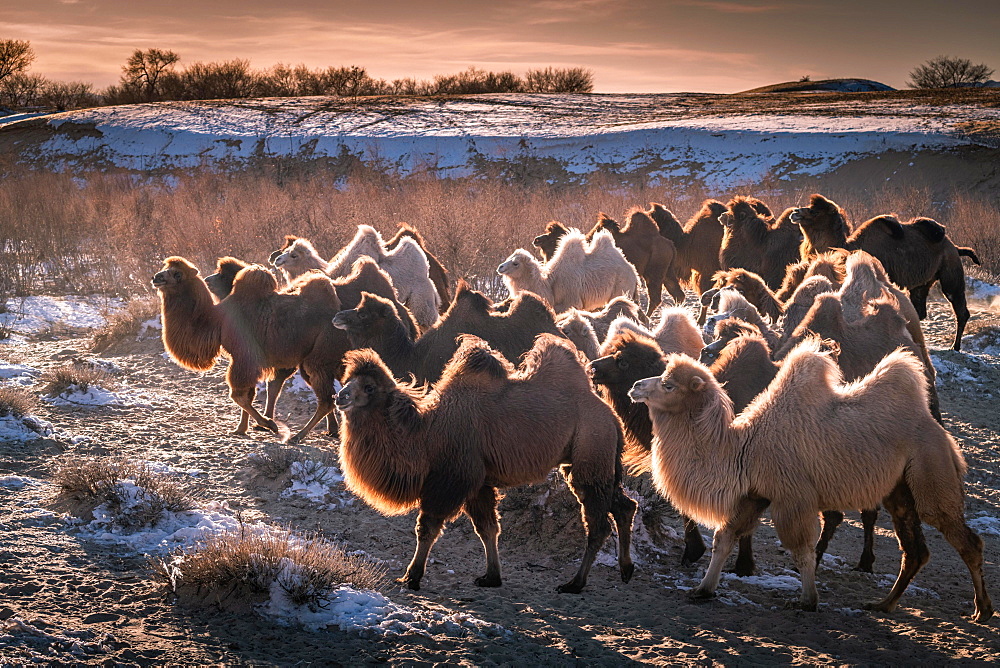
(271,426)
(409,583)
(488,581)
(699,594)
(743,570)
(981,616)
(570,587)
(238,432)
(627,571)
(879,606)
(691,556)
(863,569)
(258,427)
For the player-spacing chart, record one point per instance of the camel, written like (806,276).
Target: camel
(753,242)
(811,443)
(651,254)
(697,242)
(365,276)
(915,255)
(675,333)
(437,273)
(578,329)
(374,324)
(628,356)
(257,328)
(731,303)
(579,275)
(601,320)
(406,265)
(484,426)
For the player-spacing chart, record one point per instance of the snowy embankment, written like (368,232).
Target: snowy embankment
(653,134)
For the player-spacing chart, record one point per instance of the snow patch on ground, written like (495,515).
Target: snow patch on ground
(983,291)
(99,396)
(32,315)
(319,483)
(26,428)
(368,612)
(985,524)
(16,481)
(18,374)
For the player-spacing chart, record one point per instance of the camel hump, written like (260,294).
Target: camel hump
(807,371)
(229,264)
(474,357)
(573,244)
(317,288)
(254,281)
(965,251)
(555,227)
(469,298)
(890,224)
(640,223)
(551,355)
(530,306)
(602,243)
(932,230)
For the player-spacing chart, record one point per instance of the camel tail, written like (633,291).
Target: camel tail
(965,251)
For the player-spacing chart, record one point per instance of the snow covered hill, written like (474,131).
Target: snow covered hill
(680,136)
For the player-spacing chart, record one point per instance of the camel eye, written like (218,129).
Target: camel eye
(363,315)
(369,389)
(293,256)
(177,275)
(623,364)
(667,386)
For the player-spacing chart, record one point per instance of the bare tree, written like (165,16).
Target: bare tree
(15,57)
(144,69)
(948,72)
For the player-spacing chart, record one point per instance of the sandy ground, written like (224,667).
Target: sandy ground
(65,600)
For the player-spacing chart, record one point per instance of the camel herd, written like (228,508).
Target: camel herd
(803,385)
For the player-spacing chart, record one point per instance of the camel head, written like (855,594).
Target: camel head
(683,385)
(740,211)
(520,263)
(367,382)
(176,271)
(293,256)
(548,240)
(821,213)
(743,281)
(726,302)
(368,318)
(628,357)
(221,282)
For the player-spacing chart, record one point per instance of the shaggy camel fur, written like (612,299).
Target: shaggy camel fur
(697,242)
(438,274)
(651,254)
(915,254)
(406,265)
(580,275)
(876,331)
(726,330)
(733,304)
(618,307)
(578,329)
(365,276)
(811,443)
(373,324)
(675,333)
(485,425)
(628,356)
(258,328)
(752,242)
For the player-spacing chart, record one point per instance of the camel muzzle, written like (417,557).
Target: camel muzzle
(343,320)
(158,280)
(797,215)
(640,391)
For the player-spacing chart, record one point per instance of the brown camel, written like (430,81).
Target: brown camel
(484,426)
(753,242)
(811,443)
(437,272)
(373,324)
(258,328)
(915,254)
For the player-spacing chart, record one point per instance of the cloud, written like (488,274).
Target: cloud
(730,7)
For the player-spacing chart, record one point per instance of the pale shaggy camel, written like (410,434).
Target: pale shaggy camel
(675,333)
(484,425)
(810,443)
(406,265)
(579,275)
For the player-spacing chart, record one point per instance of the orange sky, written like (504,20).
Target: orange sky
(648,46)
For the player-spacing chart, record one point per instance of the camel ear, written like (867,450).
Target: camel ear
(697,384)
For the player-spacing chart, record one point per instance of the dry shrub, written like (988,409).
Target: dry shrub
(238,569)
(125,324)
(81,375)
(134,495)
(272,461)
(16,401)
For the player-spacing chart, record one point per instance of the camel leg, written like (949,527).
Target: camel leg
(243,397)
(595,504)
(954,292)
(274,387)
(745,564)
(241,429)
(918,296)
(482,510)
(623,510)
(694,544)
(742,523)
(323,389)
(673,288)
(969,546)
(654,288)
(428,529)
(867,560)
(798,530)
(831,520)
(906,523)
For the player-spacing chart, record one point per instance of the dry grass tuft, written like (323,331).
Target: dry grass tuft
(133,495)
(16,401)
(81,375)
(273,461)
(125,324)
(239,568)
